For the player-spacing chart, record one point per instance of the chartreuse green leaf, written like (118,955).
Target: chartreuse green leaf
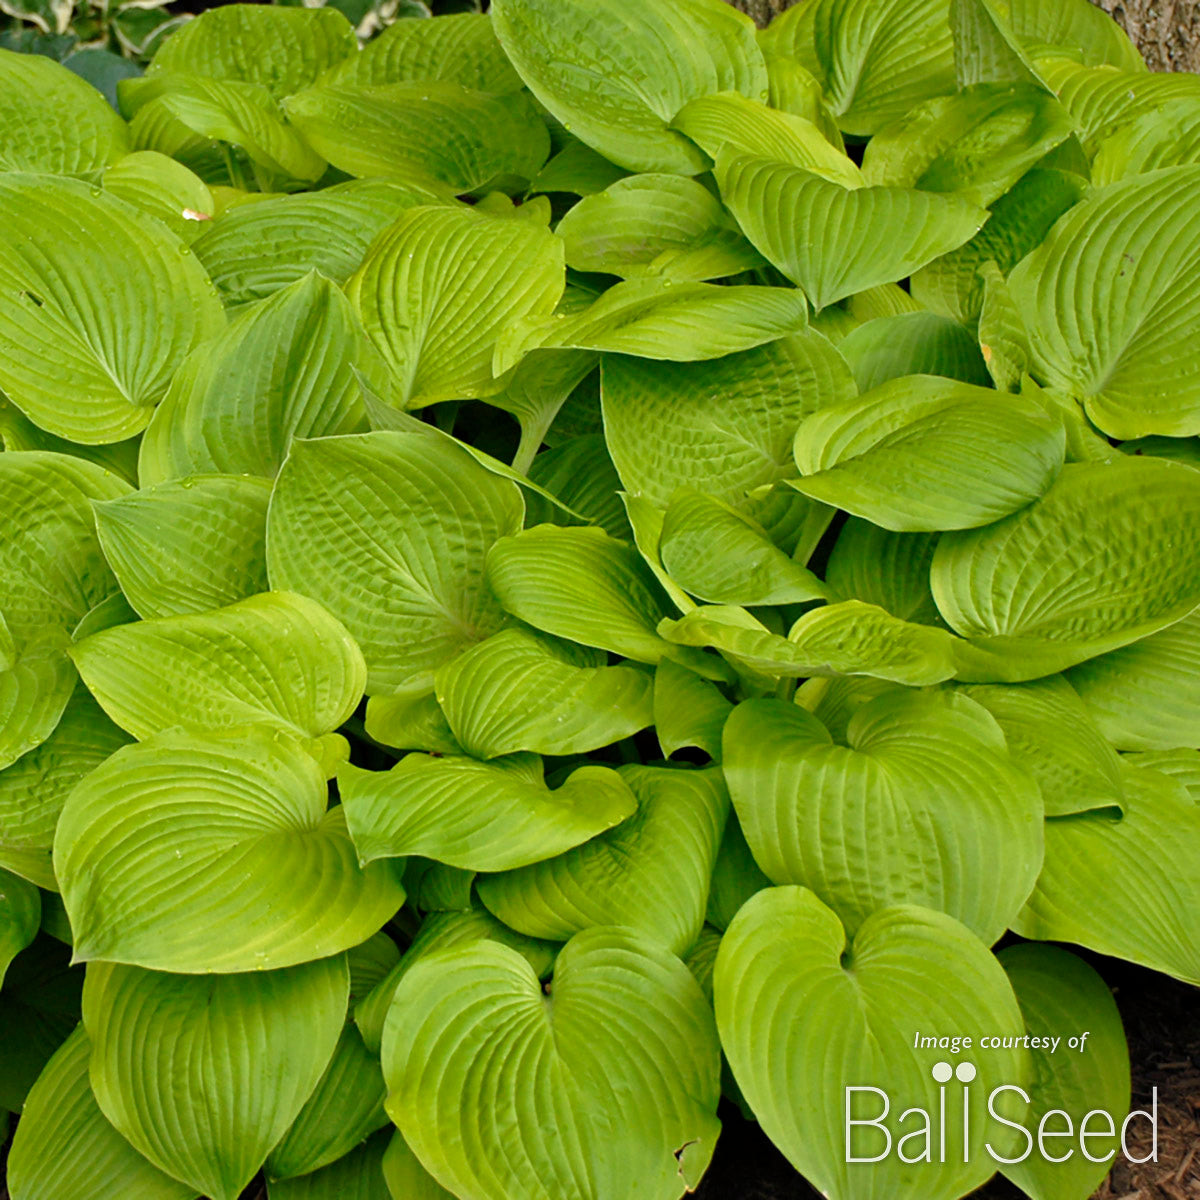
(442,931)
(406,1178)
(407,578)
(917,343)
(283,369)
(1103,559)
(719,555)
(437,289)
(890,570)
(1168,136)
(357,1175)
(521,690)
(1146,696)
(253,250)
(34,789)
(433,133)
(204,1074)
(20,917)
(282,49)
(240,869)
(872,235)
(1057,991)
(1050,732)
(277,658)
(579,473)
(582,585)
(923,453)
(656,225)
(659,318)
(795,90)
(1124,347)
(35,685)
(1020,220)
(154,128)
(688,711)
(615,75)
(482,816)
(1078,28)
(437,888)
(834,700)
(18,432)
(613,1076)
(461,48)
(650,873)
(845,638)
(923,805)
(975,144)
(35,93)
(986,47)
(65,1146)
(735,878)
(105,305)
(410,722)
(803,1009)
(730,121)
(1125,886)
(189,545)
(875,59)
(1181,765)
(163,188)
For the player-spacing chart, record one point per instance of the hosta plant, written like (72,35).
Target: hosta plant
(584,558)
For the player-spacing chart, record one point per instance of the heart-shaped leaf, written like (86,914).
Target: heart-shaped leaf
(20,917)
(479,816)
(919,343)
(650,873)
(618,1071)
(204,1074)
(688,710)
(241,870)
(806,1013)
(945,817)
(165,189)
(1101,560)
(887,569)
(35,685)
(408,584)
(1078,28)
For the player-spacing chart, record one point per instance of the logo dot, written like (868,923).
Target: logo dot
(942,1072)
(965,1072)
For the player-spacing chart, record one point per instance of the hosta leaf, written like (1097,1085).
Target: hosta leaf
(1056,990)
(582,585)
(846,638)
(1078,28)
(717,554)
(616,75)
(242,869)
(1146,696)
(102,306)
(34,789)
(1050,732)
(975,144)
(923,453)
(276,658)
(1020,220)
(618,1071)
(1128,886)
(522,691)
(437,888)
(1078,573)
(650,873)
(921,343)
(163,188)
(204,1075)
(283,369)
(406,1178)
(35,93)
(436,291)
(659,318)
(922,806)
(357,1175)
(407,582)
(410,722)
(253,250)
(875,59)
(429,133)
(1181,765)
(579,473)
(479,816)
(656,225)
(1124,348)
(283,49)
(576,170)
(1168,136)
(688,711)
(187,546)
(18,432)
(744,126)
(803,1009)
(887,569)
(736,415)
(986,47)
(735,878)
(461,48)
(870,235)
(834,700)
(35,685)
(20,917)
(65,1146)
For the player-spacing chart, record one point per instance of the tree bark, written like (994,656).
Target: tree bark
(1167,32)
